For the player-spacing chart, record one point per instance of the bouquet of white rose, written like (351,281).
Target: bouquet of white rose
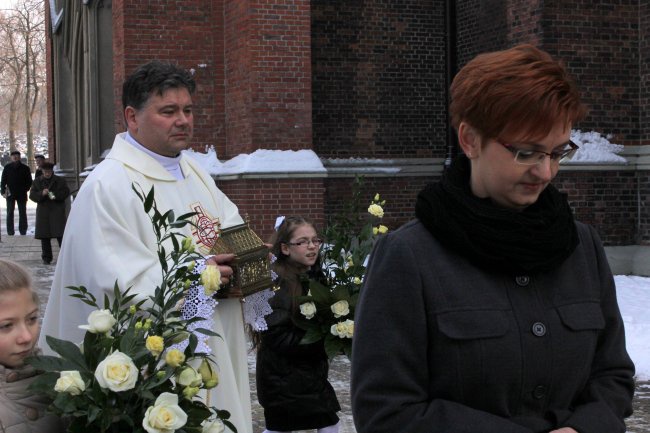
(131,373)
(327,312)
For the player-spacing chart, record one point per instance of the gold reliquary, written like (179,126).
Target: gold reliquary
(251,267)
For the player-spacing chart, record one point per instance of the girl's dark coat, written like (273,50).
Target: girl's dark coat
(292,383)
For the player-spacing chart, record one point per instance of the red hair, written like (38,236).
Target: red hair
(519,93)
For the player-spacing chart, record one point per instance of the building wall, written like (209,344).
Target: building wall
(378,78)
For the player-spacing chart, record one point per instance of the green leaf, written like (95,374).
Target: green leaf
(149,200)
(311,336)
(50,363)
(68,351)
(333,346)
(44,383)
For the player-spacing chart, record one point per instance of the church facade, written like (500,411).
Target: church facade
(362,84)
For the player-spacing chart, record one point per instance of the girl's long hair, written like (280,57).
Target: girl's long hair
(14,277)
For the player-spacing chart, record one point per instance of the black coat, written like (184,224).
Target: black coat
(50,214)
(442,346)
(292,384)
(18,178)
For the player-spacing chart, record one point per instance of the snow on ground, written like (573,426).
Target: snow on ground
(633,295)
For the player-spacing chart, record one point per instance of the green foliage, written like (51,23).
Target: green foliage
(100,409)
(350,236)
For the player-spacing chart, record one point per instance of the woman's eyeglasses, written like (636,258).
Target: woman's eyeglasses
(305,242)
(534,157)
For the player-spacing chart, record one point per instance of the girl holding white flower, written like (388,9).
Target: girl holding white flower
(20,410)
(292,384)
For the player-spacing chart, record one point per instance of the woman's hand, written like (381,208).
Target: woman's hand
(564,430)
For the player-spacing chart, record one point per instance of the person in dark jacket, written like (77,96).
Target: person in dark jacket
(494,311)
(50,192)
(15,183)
(39,160)
(292,384)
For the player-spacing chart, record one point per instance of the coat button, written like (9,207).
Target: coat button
(539,329)
(539,392)
(31,414)
(522,280)
(12,377)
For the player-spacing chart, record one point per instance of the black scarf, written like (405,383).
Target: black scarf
(539,238)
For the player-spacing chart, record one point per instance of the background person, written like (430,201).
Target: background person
(39,160)
(497,310)
(15,183)
(109,237)
(292,384)
(50,192)
(20,410)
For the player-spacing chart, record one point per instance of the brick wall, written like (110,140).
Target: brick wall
(606,200)
(644,207)
(189,33)
(644,70)
(262,200)
(268,69)
(481,26)
(400,195)
(599,42)
(378,78)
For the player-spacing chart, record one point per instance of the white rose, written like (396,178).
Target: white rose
(165,415)
(215,426)
(343,329)
(340,309)
(99,322)
(376,210)
(308,309)
(70,382)
(117,372)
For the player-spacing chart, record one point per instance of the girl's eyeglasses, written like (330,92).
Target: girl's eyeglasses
(534,157)
(305,242)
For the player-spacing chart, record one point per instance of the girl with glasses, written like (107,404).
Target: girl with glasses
(494,311)
(292,384)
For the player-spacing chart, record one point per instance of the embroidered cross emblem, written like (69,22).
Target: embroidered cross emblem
(207,228)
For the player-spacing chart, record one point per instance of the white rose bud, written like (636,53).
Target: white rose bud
(189,377)
(117,372)
(165,415)
(215,426)
(340,309)
(70,382)
(99,322)
(308,309)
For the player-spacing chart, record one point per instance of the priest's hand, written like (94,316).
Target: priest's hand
(221,261)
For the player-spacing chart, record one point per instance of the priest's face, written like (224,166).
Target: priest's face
(164,124)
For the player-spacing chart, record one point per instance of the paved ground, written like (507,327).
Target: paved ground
(27,251)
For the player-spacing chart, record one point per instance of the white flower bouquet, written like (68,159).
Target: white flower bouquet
(327,312)
(130,373)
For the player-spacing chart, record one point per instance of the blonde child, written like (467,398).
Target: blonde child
(292,384)
(20,410)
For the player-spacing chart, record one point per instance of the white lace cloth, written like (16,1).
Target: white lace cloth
(256,308)
(198,304)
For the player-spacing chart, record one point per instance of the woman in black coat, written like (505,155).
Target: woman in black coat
(292,384)
(494,311)
(50,192)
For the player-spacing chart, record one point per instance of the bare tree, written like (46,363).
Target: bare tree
(22,66)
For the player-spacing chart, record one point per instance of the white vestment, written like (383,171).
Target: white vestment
(109,237)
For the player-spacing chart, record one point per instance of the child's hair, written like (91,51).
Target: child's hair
(14,277)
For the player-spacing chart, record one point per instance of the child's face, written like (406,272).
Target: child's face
(19,326)
(307,253)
